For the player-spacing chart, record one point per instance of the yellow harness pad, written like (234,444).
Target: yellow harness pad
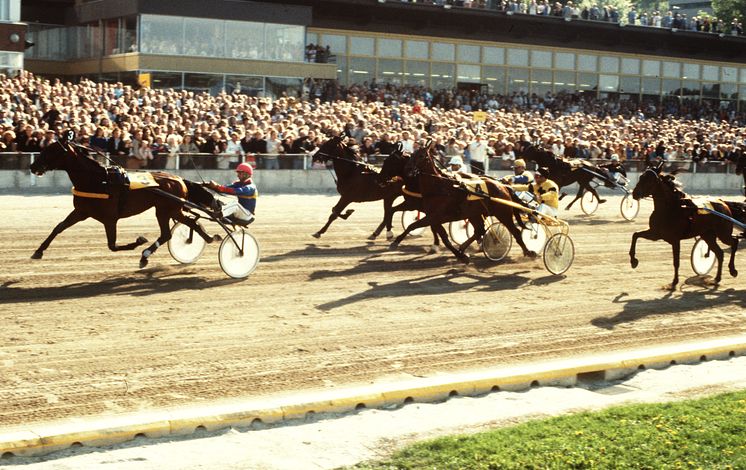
(141,179)
(475,186)
(704,203)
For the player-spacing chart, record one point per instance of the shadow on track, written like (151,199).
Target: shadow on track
(689,301)
(315,249)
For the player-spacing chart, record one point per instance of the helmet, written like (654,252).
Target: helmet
(614,157)
(456,160)
(519,162)
(543,171)
(246,168)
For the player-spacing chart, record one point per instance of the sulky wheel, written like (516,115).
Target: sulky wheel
(239,254)
(410,217)
(703,259)
(630,207)
(534,236)
(588,203)
(460,231)
(496,242)
(559,253)
(185,245)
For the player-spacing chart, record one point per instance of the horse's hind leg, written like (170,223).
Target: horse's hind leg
(463,257)
(164,224)
(733,242)
(336,212)
(388,215)
(676,248)
(72,218)
(111,238)
(197,227)
(578,196)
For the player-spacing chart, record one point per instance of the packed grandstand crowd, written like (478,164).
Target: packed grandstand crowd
(150,128)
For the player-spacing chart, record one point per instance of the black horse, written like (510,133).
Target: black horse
(741,169)
(675,217)
(356,182)
(101,194)
(564,172)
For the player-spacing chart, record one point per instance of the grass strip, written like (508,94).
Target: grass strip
(708,433)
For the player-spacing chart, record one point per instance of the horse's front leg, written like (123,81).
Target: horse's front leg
(111,238)
(336,212)
(72,218)
(463,257)
(595,194)
(646,234)
(676,248)
(164,220)
(423,222)
(478,235)
(388,215)
(577,196)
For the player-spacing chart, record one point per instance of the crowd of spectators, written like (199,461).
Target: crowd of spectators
(147,128)
(572,11)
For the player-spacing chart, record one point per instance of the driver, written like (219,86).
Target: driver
(520,176)
(242,210)
(544,190)
(614,170)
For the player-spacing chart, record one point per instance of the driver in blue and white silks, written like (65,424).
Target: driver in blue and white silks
(242,209)
(520,177)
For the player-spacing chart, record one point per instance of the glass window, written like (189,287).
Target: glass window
(389,47)
(730,74)
(564,60)
(211,34)
(495,79)
(610,64)
(362,46)
(244,84)
(278,86)
(564,81)
(161,35)
(651,68)
(671,87)
(285,42)
(629,84)
(468,53)
(743,75)
(341,62)
(691,71)
(541,59)
(587,82)
(587,63)
(651,86)
(164,80)
(541,81)
(517,80)
(244,40)
(390,71)
(417,73)
(336,42)
(443,51)
(607,83)
(518,57)
(361,69)
(671,69)
(199,82)
(710,72)
(710,90)
(631,66)
(690,88)
(742,96)
(496,56)
(467,73)
(442,75)
(416,49)
(312,38)
(728,91)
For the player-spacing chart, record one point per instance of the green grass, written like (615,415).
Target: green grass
(707,433)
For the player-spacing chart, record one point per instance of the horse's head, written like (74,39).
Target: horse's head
(52,157)
(331,149)
(395,163)
(422,160)
(649,181)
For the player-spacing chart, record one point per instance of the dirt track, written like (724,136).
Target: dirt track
(84,332)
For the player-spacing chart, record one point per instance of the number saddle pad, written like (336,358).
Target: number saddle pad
(141,179)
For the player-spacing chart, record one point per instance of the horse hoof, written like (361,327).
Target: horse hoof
(141,240)
(393,246)
(464,259)
(317,235)
(37,255)
(372,236)
(389,235)
(143,262)
(633,262)
(601,201)
(734,272)
(434,249)
(216,238)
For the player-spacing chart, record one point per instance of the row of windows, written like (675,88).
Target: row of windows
(386,48)
(215,83)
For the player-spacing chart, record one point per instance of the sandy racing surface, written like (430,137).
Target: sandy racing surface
(85,333)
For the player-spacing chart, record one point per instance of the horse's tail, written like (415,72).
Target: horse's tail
(738,210)
(198,194)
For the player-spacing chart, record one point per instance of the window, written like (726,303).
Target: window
(443,51)
(629,85)
(418,73)
(416,49)
(691,72)
(161,35)
(651,68)
(285,42)
(390,71)
(587,63)
(541,59)
(362,46)
(244,40)
(467,73)
(165,80)
(743,75)
(442,75)
(541,81)
(671,69)
(608,83)
(199,82)
(730,74)
(496,56)
(468,53)
(728,91)
(518,80)
(564,81)
(710,90)
(341,69)
(361,69)
(279,86)
(518,57)
(710,72)
(389,47)
(495,79)
(337,43)
(671,87)
(610,64)
(690,88)
(211,34)
(244,84)
(631,66)
(587,82)
(651,86)
(564,60)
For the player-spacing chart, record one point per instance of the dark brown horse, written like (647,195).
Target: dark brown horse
(446,199)
(564,172)
(99,196)
(356,182)
(741,169)
(675,217)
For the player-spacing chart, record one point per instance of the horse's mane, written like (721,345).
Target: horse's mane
(670,181)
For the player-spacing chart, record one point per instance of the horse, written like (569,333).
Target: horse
(356,182)
(99,196)
(446,199)
(563,172)
(741,169)
(675,217)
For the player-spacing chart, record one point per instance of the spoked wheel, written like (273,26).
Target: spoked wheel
(588,203)
(630,207)
(239,254)
(410,217)
(703,260)
(559,253)
(185,245)
(460,231)
(534,236)
(496,242)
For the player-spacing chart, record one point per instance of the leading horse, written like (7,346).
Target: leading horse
(99,196)
(676,217)
(356,182)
